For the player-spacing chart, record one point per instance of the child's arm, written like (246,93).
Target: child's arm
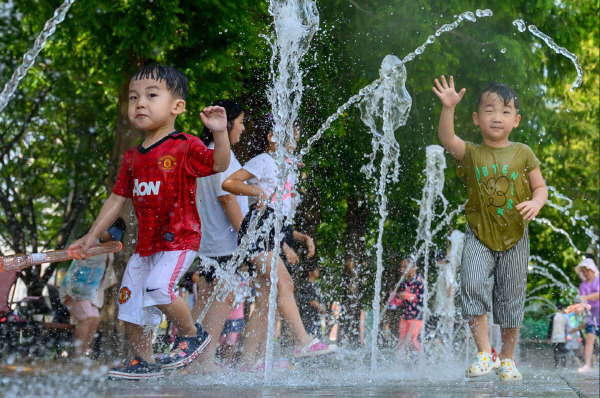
(290,254)
(107,216)
(235,184)
(318,306)
(232,210)
(310,244)
(215,119)
(450,98)
(530,208)
(590,297)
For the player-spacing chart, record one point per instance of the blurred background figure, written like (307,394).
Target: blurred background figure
(559,330)
(310,301)
(82,290)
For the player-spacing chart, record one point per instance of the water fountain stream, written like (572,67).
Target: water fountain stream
(384,106)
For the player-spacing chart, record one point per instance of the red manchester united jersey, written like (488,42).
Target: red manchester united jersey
(161,182)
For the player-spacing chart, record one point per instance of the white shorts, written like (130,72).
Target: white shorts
(150,281)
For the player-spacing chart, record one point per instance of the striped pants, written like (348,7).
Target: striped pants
(494,277)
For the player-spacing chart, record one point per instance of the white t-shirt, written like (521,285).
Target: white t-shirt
(560,328)
(264,170)
(219,238)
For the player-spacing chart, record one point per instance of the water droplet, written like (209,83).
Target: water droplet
(503,51)
(520,24)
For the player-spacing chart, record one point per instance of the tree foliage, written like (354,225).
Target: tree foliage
(64,132)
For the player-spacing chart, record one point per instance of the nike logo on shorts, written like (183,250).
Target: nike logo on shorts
(151,290)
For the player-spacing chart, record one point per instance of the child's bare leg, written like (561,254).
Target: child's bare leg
(257,322)
(479,329)
(178,312)
(84,335)
(588,350)
(286,302)
(287,305)
(509,342)
(226,353)
(213,323)
(141,341)
(204,291)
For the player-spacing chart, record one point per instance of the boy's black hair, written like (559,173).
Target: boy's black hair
(501,90)
(176,82)
(232,109)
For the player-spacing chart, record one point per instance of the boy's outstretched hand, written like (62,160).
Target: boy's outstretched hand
(215,119)
(529,209)
(446,92)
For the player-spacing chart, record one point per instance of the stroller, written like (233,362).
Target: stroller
(31,326)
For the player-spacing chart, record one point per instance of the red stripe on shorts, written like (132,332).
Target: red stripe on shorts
(173,280)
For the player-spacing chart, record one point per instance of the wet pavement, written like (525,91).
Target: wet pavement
(333,378)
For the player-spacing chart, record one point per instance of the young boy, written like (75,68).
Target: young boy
(505,191)
(160,178)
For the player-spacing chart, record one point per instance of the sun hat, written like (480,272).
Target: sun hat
(586,263)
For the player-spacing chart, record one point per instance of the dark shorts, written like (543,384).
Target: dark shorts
(233,326)
(593,329)
(262,244)
(209,273)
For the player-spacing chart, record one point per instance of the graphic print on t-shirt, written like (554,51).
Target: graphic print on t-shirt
(496,186)
(167,163)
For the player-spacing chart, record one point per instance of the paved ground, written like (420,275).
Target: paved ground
(343,376)
(584,385)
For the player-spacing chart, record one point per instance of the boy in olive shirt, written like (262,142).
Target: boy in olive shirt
(505,191)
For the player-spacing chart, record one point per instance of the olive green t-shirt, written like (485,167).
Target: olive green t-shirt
(497,181)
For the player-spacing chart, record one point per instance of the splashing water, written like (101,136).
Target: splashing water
(385,100)
(295,23)
(396,104)
(522,26)
(576,218)
(561,231)
(432,192)
(31,55)
(367,90)
(389,104)
(469,16)
(445,289)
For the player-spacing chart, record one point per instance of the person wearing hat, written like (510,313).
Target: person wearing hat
(589,294)
(82,290)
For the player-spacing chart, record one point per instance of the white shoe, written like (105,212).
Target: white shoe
(484,363)
(508,370)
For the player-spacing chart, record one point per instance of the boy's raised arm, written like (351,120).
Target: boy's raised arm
(215,119)
(450,98)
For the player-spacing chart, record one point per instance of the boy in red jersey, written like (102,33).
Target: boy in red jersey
(160,178)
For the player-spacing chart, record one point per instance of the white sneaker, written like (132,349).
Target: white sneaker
(508,370)
(484,363)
